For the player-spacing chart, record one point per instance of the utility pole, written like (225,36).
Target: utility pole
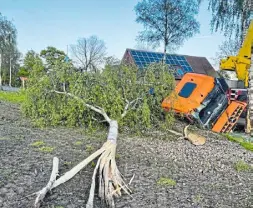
(0,71)
(10,73)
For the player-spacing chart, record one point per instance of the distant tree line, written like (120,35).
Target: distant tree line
(167,23)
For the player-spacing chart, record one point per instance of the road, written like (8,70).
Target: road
(10,89)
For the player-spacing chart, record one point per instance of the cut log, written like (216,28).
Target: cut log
(195,139)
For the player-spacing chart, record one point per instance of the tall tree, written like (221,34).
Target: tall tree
(8,45)
(111,60)
(231,17)
(169,22)
(52,56)
(89,53)
(31,60)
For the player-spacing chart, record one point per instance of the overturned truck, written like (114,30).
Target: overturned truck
(204,99)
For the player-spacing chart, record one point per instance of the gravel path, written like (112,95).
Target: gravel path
(205,176)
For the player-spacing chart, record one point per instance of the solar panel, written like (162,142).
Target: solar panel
(177,62)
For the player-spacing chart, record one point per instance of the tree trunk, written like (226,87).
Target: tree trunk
(42,193)
(110,179)
(0,71)
(10,74)
(164,53)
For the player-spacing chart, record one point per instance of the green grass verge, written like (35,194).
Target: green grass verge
(13,97)
(246,145)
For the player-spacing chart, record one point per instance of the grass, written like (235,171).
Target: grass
(46,149)
(78,143)
(93,164)
(198,198)
(41,146)
(166,182)
(246,145)
(89,148)
(38,143)
(67,163)
(13,97)
(242,166)
(4,138)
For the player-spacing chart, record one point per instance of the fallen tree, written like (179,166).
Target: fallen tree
(118,97)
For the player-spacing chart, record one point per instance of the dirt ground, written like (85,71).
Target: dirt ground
(205,176)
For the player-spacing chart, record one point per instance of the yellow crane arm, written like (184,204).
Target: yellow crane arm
(241,63)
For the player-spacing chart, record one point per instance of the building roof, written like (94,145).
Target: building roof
(180,64)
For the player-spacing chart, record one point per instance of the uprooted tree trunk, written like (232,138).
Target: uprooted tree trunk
(110,181)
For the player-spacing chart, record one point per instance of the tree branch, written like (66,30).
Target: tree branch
(127,106)
(125,109)
(49,186)
(96,109)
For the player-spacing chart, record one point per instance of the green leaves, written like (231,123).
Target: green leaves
(32,64)
(52,55)
(23,72)
(117,90)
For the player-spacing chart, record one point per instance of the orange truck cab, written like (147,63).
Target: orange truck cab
(201,98)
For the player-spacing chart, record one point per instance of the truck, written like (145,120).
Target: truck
(205,100)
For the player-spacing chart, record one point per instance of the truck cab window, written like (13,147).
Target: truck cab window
(187,89)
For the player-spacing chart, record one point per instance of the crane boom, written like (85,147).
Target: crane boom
(241,63)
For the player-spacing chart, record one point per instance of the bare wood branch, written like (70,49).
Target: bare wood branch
(92,189)
(125,109)
(49,186)
(133,102)
(89,52)
(175,132)
(96,109)
(71,173)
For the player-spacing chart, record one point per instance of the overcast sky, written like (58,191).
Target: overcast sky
(59,23)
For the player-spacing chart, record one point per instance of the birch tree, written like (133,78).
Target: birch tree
(115,99)
(8,43)
(231,17)
(167,22)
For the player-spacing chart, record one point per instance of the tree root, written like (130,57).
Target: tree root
(42,193)
(110,179)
